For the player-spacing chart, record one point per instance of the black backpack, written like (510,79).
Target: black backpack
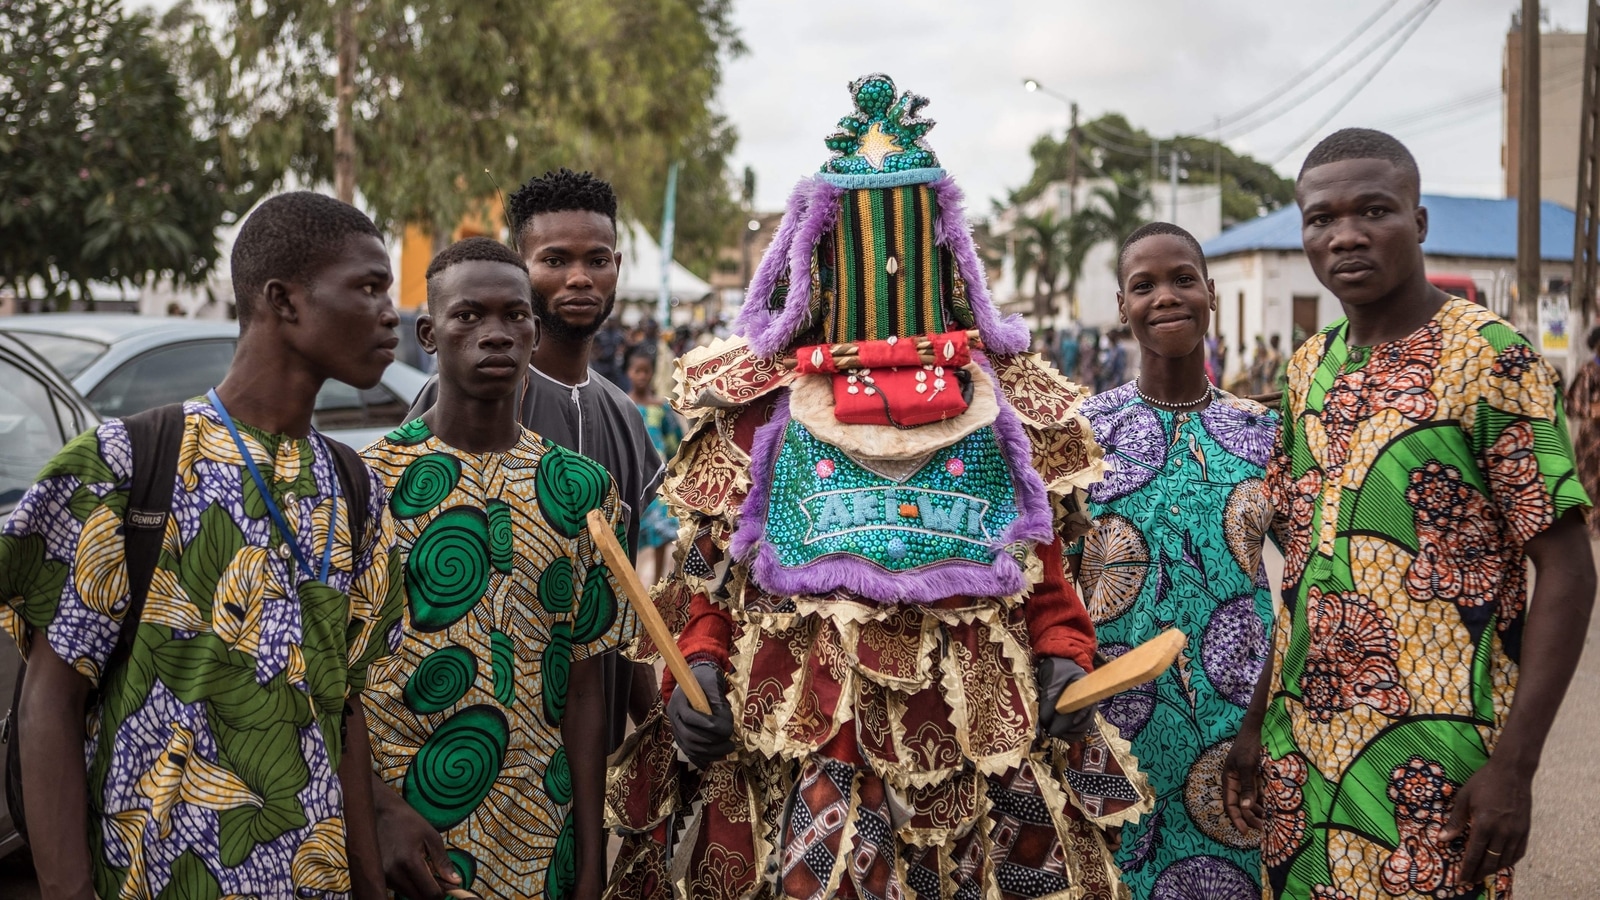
(156,436)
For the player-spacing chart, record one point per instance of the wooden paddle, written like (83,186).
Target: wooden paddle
(640,598)
(1137,666)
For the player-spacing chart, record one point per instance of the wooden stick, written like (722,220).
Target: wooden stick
(1137,666)
(648,614)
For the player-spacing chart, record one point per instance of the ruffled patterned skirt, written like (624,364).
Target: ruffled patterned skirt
(887,753)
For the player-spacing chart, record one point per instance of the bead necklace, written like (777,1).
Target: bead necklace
(1175,405)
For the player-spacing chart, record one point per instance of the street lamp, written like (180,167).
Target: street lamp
(1033,86)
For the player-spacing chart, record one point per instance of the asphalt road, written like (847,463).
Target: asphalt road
(1563,858)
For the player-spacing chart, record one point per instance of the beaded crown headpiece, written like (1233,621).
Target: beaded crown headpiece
(875,245)
(881,144)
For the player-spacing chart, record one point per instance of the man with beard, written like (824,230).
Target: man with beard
(564,224)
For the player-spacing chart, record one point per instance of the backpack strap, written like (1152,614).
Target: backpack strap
(355,485)
(157,439)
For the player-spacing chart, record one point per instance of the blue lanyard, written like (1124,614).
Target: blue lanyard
(266,497)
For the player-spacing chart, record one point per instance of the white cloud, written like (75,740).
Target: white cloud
(1165,64)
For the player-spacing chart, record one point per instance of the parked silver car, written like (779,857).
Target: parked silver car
(39,413)
(124,364)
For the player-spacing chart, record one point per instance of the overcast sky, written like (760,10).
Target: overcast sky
(1168,65)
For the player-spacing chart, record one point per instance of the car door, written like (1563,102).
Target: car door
(167,374)
(39,413)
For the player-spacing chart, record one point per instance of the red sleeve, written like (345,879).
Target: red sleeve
(707,637)
(1058,622)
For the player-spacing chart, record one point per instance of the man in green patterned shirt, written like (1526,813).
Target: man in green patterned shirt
(509,608)
(1423,461)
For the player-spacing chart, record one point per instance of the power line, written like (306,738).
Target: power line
(1469,101)
(1360,85)
(1409,20)
(1106,143)
(1306,72)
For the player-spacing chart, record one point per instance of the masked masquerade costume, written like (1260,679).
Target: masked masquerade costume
(874,490)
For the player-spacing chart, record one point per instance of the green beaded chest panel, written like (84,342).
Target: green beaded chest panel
(954,509)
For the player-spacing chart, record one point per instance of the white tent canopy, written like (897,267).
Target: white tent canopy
(641,270)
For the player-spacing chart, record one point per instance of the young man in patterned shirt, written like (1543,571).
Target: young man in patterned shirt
(227,756)
(1424,459)
(509,610)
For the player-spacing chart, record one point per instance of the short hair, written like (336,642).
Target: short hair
(559,191)
(472,249)
(1594,337)
(291,237)
(1364,143)
(646,351)
(1151,229)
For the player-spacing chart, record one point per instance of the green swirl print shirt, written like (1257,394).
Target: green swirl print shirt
(504,591)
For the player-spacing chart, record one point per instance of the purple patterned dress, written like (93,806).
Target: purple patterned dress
(1179,522)
(212,762)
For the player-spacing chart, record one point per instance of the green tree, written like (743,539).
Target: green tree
(1052,248)
(1110,145)
(453,98)
(1122,206)
(103,177)
(1040,243)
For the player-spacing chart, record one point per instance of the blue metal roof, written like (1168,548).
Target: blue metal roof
(1475,227)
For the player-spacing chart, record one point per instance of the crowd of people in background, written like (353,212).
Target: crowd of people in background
(1098,360)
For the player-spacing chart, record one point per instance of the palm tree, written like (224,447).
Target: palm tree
(1123,206)
(1081,235)
(1041,244)
(1051,247)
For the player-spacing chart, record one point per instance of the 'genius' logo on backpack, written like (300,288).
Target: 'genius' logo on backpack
(139,518)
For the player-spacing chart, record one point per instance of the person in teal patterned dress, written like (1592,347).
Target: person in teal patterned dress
(1180,517)
(658,529)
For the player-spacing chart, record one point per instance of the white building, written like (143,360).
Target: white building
(1198,209)
(1265,285)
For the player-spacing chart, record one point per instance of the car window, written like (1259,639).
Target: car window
(69,355)
(164,375)
(30,433)
(340,406)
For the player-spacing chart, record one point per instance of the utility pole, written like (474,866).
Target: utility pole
(1172,185)
(344,134)
(1584,265)
(1219,165)
(1072,162)
(1526,313)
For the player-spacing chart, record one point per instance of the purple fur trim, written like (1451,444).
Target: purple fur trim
(818,218)
(1001,578)
(830,573)
(754,317)
(763,454)
(1008,335)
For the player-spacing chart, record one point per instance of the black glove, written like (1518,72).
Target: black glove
(1053,674)
(703,739)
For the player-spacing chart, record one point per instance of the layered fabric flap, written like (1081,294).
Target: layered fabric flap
(932,690)
(723,375)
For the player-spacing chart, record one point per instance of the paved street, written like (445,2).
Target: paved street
(1564,855)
